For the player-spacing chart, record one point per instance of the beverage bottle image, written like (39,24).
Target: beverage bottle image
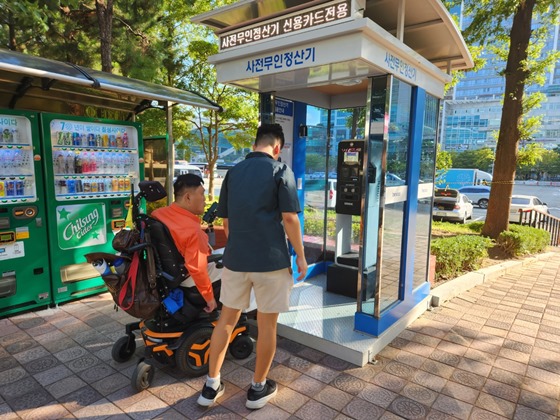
(2,190)
(6,135)
(60,138)
(76,139)
(112,141)
(119,141)
(94,185)
(98,140)
(20,187)
(125,140)
(105,139)
(115,185)
(15,135)
(91,139)
(10,188)
(67,138)
(78,164)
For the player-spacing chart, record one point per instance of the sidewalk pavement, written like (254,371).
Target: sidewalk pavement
(492,352)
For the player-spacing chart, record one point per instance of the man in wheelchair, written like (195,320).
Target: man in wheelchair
(182,220)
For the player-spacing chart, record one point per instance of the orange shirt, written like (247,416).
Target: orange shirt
(192,243)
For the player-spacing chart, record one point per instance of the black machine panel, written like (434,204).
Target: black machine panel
(349,176)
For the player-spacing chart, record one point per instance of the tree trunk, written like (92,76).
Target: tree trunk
(104,10)
(497,216)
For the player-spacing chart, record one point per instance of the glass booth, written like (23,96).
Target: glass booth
(356,86)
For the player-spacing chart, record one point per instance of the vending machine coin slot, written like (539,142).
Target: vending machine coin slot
(116,212)
(27,212)
(4,222)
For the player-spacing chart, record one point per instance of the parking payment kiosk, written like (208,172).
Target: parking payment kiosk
(365,78)
(342,276)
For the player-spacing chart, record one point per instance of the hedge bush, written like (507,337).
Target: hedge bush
(458,254)
(523,240)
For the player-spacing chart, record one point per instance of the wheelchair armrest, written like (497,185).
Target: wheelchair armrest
(214,257)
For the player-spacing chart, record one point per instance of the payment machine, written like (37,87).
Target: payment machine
(342,276)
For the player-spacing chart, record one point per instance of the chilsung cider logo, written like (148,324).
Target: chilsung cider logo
(81,225)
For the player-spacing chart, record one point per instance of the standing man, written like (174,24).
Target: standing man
(259,205)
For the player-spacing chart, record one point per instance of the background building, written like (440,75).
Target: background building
(472,110)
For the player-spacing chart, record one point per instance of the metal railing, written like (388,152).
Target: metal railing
(540,220)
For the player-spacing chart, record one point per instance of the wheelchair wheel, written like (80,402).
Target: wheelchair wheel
(192,355)
(241,347)
(142,376)
(124,348)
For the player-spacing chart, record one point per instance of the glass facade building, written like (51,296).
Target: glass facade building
(471,111)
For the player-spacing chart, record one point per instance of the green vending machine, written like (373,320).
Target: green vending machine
(91,165)
(24,257)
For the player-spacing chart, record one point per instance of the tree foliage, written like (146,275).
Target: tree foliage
(507,29)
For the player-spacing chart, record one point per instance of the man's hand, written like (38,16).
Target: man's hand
(302,267)
(210,306)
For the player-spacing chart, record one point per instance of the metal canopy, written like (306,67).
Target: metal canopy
(35,83)
(426,25)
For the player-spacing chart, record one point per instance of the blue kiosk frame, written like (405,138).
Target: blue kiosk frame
(391,58)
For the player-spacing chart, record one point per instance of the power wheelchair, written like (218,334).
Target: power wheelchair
(180,339)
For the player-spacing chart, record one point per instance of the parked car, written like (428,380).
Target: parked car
(317,175)
(478,194)
(525,202)
(451,205)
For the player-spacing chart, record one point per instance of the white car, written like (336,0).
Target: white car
(525,202)
(451,205)
(478,194)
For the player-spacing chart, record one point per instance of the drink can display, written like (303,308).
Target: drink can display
(2,190)
(71,186)
(87,186)
(121,185)
(105,140)
(112,141)
(125,139)
(119,141)
(67,138)
(127,184)
(79,186)
(10,188)
(60,138)
(76,139)
(15,135)
(100,185)
(20,187)
(115,185)
(94,185)
(91,139)
(98,140)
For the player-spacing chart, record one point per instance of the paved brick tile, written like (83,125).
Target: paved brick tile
(452,406)
(495,405)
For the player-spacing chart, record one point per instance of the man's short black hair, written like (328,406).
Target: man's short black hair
(186,181)
(267,134)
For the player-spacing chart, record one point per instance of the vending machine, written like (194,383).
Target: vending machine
(24,258)
(90,165)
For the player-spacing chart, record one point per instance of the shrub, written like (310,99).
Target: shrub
(458,254)
(523,240)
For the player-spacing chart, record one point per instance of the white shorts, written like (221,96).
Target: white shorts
(272,290)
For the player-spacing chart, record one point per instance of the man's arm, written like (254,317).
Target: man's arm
(293,230)
(226,226)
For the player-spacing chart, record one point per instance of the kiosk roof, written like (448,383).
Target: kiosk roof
(35,83)
(429,29)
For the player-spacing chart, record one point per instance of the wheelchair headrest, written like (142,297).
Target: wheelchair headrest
(152,190)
